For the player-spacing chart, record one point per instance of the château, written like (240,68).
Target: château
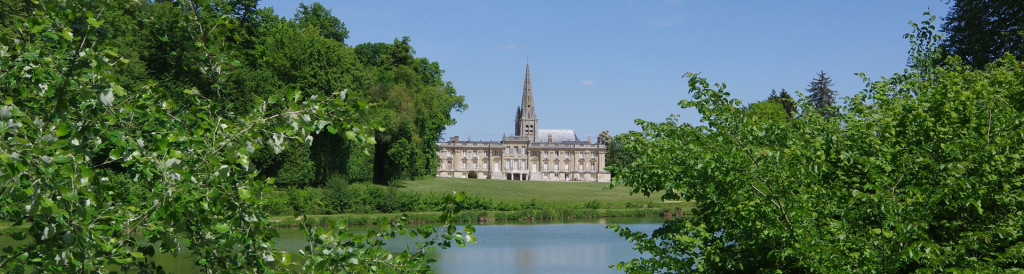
(530,154)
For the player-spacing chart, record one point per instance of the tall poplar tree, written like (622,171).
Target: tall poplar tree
(821,95)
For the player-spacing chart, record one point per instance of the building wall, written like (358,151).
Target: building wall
(526,156)
(523,160)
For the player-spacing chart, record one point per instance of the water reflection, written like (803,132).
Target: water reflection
(548,248)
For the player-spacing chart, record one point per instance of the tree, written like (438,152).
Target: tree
(766,111)
(784,99)
(821,95)
(107,166)
(920,172)
(604,138)
(415,108)
(316,16)
(617,154)
(981,31)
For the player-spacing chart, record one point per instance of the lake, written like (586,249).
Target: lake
(534,247)
(541,248)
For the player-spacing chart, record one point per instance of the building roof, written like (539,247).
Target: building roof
(557,135)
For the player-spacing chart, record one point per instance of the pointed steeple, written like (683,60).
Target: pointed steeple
(526,118)
(527,104)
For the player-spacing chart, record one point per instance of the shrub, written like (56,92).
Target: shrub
(920,172)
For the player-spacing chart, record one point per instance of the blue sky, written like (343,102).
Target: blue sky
(599,65)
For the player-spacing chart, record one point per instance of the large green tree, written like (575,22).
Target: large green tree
(416,105)
(922,171)
(104,164)
(316,16)
(410,102)
(981,31)
(618,155)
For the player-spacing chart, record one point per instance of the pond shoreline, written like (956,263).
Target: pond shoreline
(475,217)
(488,217)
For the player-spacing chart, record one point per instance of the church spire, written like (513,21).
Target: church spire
(526,118)
(527,104)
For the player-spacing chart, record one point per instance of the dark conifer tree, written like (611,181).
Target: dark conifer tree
(784,99)
(822,96)
(980,31)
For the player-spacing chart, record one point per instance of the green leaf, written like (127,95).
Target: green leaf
(62,159)
(221,228)
(244,193)
(94,23)
(66,33)
(70,196)
(62,130)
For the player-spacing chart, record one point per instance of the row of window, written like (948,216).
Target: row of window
(565,177)
(515,150)
(593,166)
(469,153)
(520,164)
(559,177)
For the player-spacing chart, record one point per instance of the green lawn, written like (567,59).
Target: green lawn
(547,193)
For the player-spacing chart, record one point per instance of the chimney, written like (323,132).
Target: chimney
(469,138)
(588,139)
(454,139)
(549,137)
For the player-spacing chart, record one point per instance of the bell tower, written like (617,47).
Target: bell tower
(526,118)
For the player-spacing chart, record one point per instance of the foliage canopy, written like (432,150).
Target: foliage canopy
(981,31)
(921,171)
(125,118)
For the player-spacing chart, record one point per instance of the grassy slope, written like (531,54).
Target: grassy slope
(558,194)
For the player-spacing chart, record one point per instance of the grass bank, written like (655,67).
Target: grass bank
(545,194)
(489,217)
(497,201)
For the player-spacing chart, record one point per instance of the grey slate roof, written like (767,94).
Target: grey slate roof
(557,135)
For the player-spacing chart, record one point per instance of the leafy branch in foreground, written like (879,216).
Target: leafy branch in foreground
(919,172)
(90,164)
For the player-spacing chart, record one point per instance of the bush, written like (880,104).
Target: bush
(920,172)
(592,204)
(338,196)
(277,203)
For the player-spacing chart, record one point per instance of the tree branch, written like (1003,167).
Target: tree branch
(785,216)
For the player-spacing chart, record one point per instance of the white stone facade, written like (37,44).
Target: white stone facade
(533,154)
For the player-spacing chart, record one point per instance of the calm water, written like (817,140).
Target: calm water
(541,248)
(506,248)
